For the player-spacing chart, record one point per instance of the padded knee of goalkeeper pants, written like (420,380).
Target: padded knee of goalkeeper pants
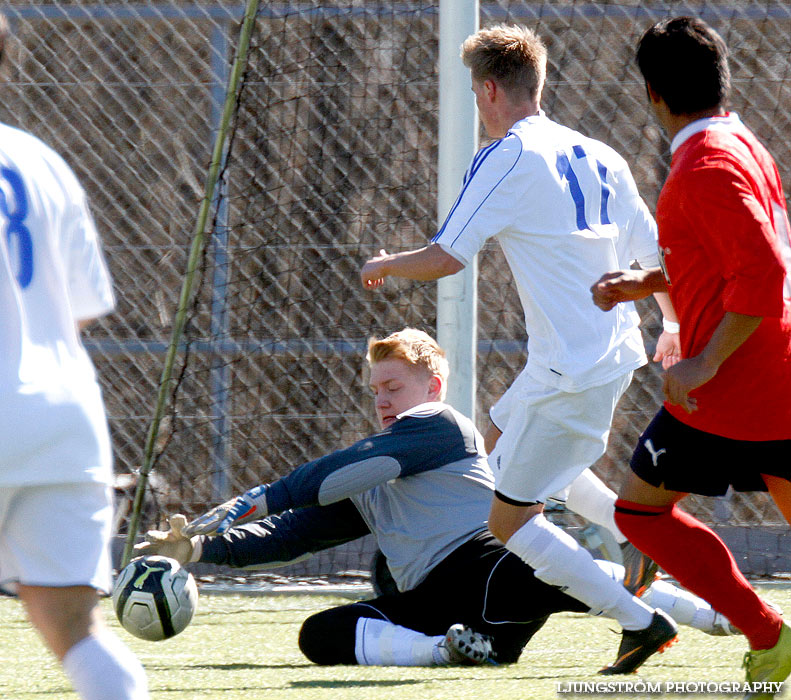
(328,638)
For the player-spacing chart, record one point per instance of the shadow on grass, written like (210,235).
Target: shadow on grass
(354,684)
(223,667)
(248,623)
(54,692)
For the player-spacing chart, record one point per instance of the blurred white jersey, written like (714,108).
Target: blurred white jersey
(53,427)
(565,210)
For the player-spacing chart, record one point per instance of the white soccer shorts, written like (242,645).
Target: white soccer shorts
(549,437)
(56,535)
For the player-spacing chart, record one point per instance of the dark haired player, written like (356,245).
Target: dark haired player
(724,240)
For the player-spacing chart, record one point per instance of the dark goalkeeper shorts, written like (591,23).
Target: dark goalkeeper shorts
(480,584)
(681,458)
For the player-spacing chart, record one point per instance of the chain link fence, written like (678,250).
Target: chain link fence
(333,156)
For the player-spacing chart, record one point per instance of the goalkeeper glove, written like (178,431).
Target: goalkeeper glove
(249,506)
(172,543)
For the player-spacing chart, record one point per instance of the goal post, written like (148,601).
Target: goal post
(457,316)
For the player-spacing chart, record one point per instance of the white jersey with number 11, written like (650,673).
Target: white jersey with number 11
(565,210)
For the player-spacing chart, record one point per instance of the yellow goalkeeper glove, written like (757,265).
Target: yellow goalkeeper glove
(171,543)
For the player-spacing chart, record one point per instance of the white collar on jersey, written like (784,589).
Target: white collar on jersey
(727,122)
(531,119)
(424,410)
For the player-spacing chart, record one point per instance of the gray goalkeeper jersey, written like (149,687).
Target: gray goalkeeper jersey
(420,518)
(422,487)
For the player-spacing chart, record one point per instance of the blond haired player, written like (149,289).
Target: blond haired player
(54,444)
(563,208)
(422,487)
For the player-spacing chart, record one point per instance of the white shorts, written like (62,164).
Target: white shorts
(56,535)
(549,437)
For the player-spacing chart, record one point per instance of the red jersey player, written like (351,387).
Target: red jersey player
(724,242)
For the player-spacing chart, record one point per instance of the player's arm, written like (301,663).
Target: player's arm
(668,345)
(666,306)
(630,285)
(484,207)
(639,233)
(627,285)
(411,445)
(423,264)
(689,374)
(740,241)
(274,541)
(286,538)
(640,236)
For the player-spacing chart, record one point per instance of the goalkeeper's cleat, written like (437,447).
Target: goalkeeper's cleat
(636,646)
(639,570)
(463,646)
(769,665)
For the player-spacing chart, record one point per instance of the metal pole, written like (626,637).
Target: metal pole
(457,314)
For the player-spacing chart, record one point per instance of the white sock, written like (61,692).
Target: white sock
(381,643)
(559,561)
(684,607)
(591,498)
(102,667)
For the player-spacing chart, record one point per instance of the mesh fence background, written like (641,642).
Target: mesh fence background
(333,156)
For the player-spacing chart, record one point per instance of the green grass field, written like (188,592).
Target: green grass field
(245,647)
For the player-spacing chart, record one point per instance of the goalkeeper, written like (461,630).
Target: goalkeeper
(422,486)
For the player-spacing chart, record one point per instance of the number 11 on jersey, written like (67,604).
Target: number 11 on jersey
(566,172)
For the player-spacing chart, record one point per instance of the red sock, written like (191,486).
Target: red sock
(699,560)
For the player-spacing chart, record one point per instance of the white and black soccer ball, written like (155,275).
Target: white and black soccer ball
(154,598)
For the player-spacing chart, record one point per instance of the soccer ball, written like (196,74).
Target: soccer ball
(154,598)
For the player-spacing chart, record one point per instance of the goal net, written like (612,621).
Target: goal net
(332,156)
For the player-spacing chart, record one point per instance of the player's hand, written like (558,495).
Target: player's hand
(668,349)
(683,377)
(249,506)
(621,285)
(372,274)
(171,543)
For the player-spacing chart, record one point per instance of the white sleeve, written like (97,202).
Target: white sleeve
(635,221)
(485,205)
(643,236)
(90,288)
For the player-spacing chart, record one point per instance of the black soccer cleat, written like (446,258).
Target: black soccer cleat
(636,646)
(639,570)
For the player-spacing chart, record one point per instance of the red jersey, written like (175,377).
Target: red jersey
(724,240)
